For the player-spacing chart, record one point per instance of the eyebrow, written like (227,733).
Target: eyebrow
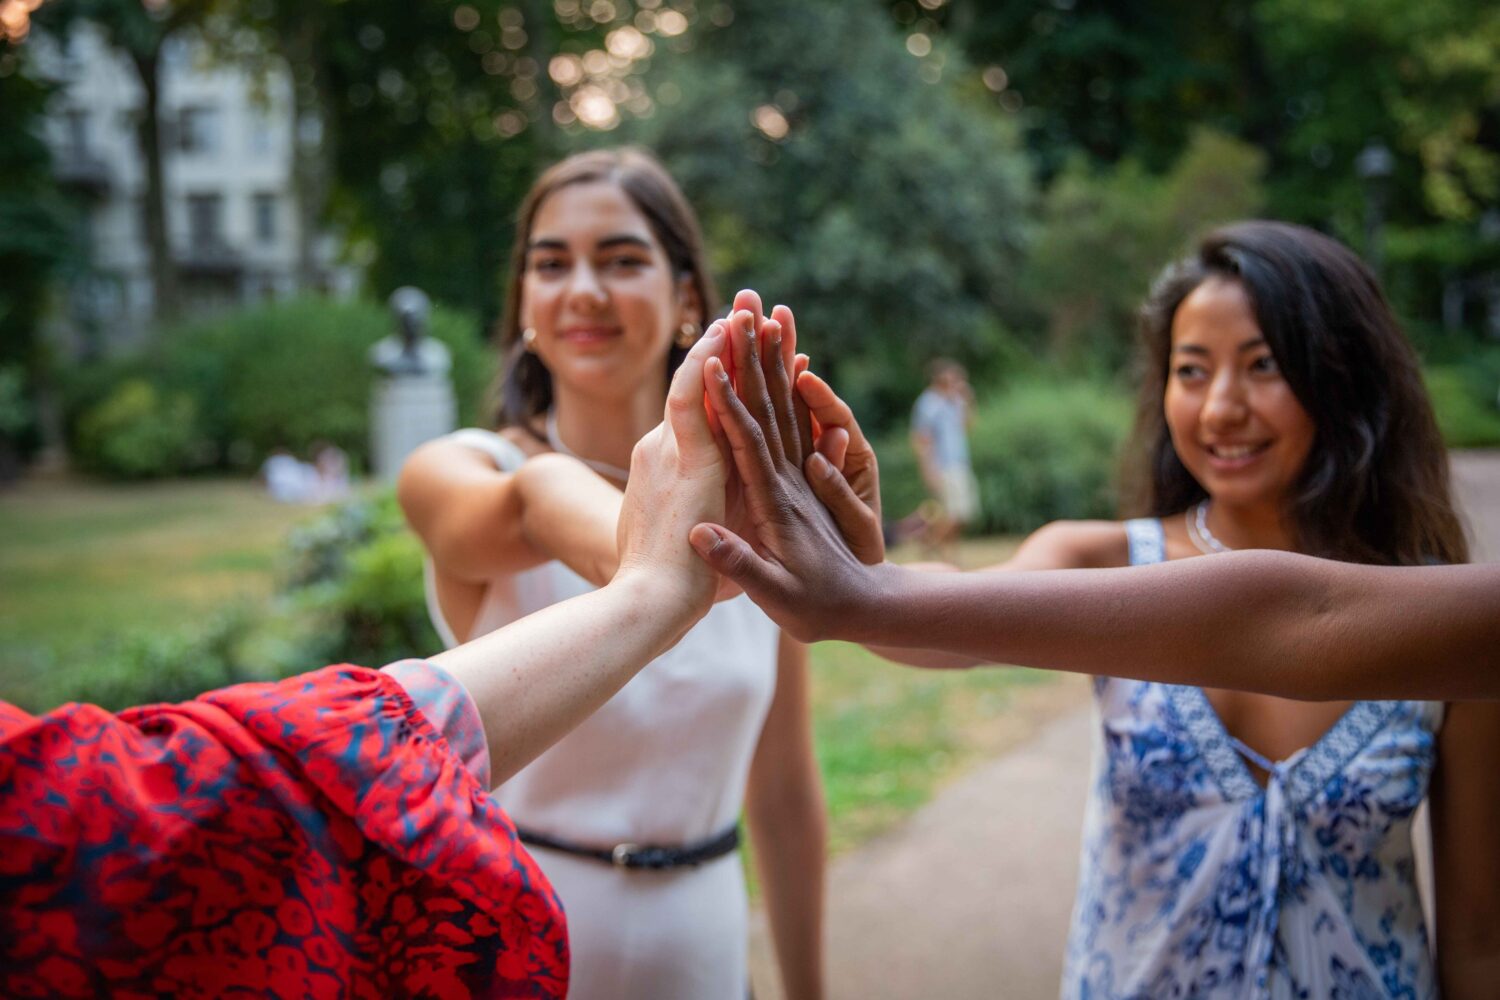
(1253,342)
(608,243)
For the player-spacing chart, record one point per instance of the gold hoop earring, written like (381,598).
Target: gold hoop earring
(687,334)
(528,338)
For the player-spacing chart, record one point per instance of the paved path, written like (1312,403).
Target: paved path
(971,896)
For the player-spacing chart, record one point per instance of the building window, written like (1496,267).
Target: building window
(198,129)
(262,135)
(265,218)
(205,221)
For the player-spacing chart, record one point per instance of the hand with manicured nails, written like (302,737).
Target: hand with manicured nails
(809,532)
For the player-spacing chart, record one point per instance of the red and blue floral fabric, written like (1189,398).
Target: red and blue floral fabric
(316,836)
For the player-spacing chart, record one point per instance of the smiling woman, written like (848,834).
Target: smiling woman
(1239,843)
(608,288)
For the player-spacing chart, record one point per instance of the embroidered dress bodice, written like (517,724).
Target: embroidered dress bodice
(1196,881)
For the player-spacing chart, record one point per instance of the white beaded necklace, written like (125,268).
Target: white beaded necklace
(1197,529)
(603,468)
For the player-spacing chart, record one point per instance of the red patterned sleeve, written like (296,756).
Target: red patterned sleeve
(314,836)
(446,704)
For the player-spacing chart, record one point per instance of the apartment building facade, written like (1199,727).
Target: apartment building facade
(227,163)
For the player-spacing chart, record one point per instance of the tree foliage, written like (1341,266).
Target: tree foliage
(865,186)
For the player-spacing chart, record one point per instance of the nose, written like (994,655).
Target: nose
(1225,406)
(584,288)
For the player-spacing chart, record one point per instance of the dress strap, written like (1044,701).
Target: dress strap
(1255,757)
(506,456)
(1148,541)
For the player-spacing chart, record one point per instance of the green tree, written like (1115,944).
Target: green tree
(1105,232)
(37,225)
(422,125)
(866,186)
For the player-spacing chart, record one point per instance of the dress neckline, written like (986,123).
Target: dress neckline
(1305,772)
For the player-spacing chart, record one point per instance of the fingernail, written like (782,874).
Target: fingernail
(819,465)
(716,368)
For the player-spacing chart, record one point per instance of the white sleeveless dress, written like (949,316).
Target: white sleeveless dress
(665,762)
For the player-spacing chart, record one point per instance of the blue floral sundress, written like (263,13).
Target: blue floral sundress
(1196,882)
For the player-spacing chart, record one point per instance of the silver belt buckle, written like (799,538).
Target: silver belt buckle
(623,853)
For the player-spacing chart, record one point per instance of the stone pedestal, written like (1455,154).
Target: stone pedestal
(412,401)
(406,410)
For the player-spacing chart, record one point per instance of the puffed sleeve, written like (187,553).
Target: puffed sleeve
(449,708)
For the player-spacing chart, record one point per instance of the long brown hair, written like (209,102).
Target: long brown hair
(1375,488)
(525,387)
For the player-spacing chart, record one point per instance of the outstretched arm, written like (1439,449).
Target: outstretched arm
(537,678)
(1298,627)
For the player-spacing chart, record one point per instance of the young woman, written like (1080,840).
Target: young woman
(329,834)
(633,815)
(1239,843)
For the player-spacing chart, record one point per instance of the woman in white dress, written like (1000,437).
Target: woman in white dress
(633,814)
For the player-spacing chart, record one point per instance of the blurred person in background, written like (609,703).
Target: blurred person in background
(940,423)
(633,815)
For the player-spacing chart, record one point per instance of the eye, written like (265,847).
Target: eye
(624,262)
(548,265)
(1189,372)
(1265,365)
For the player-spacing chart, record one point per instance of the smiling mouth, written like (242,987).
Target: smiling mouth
(1236,452)
(589,335)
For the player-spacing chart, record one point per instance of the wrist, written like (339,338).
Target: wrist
(672,599)
(871,606)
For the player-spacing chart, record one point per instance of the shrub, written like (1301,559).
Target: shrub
(1465,403)
(138,431)
(286,374)
(1041,450)
(359,570)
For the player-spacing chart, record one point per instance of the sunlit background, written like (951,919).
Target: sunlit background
(205,204)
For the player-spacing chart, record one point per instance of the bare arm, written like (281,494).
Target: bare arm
(1312,629)
(537,678)
(478,522)
(1465,815)
(788,824)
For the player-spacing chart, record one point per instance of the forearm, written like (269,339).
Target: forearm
(538,677)
(1269,622)
(791,842)
(571,514)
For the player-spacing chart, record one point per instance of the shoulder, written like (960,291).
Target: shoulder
(1074,545)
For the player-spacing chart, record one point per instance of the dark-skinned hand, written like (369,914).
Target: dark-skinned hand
(809,530)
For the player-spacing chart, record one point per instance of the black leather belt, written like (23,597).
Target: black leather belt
(640,855)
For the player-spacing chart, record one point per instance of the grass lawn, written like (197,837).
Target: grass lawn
(82,565)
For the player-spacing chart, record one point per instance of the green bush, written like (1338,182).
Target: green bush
(286,374)
(1041,450)
(359,570)
(1464,400)
(138,431)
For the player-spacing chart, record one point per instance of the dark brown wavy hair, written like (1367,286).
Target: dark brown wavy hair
(525,387)
(1375,488)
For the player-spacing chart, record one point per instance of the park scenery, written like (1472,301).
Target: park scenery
(254,252)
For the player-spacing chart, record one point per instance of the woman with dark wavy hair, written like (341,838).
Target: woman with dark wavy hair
(1240,844)
(634,815)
